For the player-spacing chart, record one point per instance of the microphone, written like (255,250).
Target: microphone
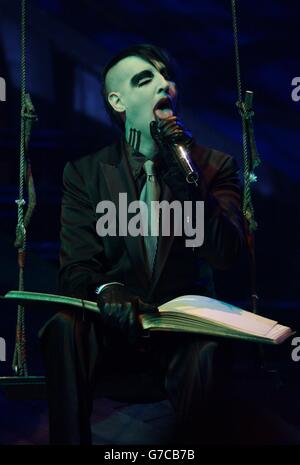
(182,155)
(180,152)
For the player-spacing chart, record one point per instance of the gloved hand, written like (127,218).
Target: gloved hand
(170,130)
(165,132)
(119,311)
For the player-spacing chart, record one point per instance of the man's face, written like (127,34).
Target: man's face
(136,86)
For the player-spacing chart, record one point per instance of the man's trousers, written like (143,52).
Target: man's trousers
(78,351)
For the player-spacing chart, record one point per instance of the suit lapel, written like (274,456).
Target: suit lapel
(119,179)
(164,245)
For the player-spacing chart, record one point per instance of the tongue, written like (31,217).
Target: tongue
(163,114)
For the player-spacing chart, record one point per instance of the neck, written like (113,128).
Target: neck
(148,147)
(143,144)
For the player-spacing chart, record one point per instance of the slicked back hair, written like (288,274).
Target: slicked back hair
(147,52)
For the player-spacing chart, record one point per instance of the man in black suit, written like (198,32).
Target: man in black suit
(140,92)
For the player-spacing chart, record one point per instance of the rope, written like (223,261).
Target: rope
(236,51)
(25,175)
(249,164)
(19,358)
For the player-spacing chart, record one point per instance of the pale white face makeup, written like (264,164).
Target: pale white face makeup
(135,87)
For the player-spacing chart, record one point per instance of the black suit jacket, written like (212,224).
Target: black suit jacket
(88,260)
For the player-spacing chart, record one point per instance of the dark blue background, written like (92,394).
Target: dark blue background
(67,44)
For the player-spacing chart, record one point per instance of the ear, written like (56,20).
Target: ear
(116,102)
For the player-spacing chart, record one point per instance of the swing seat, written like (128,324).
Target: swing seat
(133,388)
(24,387)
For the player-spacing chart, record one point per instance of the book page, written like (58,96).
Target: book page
(279,332)
(217,311)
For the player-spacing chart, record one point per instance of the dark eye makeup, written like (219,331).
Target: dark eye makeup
(144,81)
(142,77)
(146,76)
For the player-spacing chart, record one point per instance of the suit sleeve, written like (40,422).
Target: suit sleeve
(224,236)
(82,259)
(219,188)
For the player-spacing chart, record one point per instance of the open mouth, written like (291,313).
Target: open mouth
(163,109)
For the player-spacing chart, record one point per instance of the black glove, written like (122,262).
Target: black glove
(170,130)
(119,311)
(165,132)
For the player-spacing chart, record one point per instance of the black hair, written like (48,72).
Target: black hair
(149,53)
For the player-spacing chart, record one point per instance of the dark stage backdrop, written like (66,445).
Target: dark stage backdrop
(67,44)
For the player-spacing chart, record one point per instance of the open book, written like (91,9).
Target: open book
(189,313)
